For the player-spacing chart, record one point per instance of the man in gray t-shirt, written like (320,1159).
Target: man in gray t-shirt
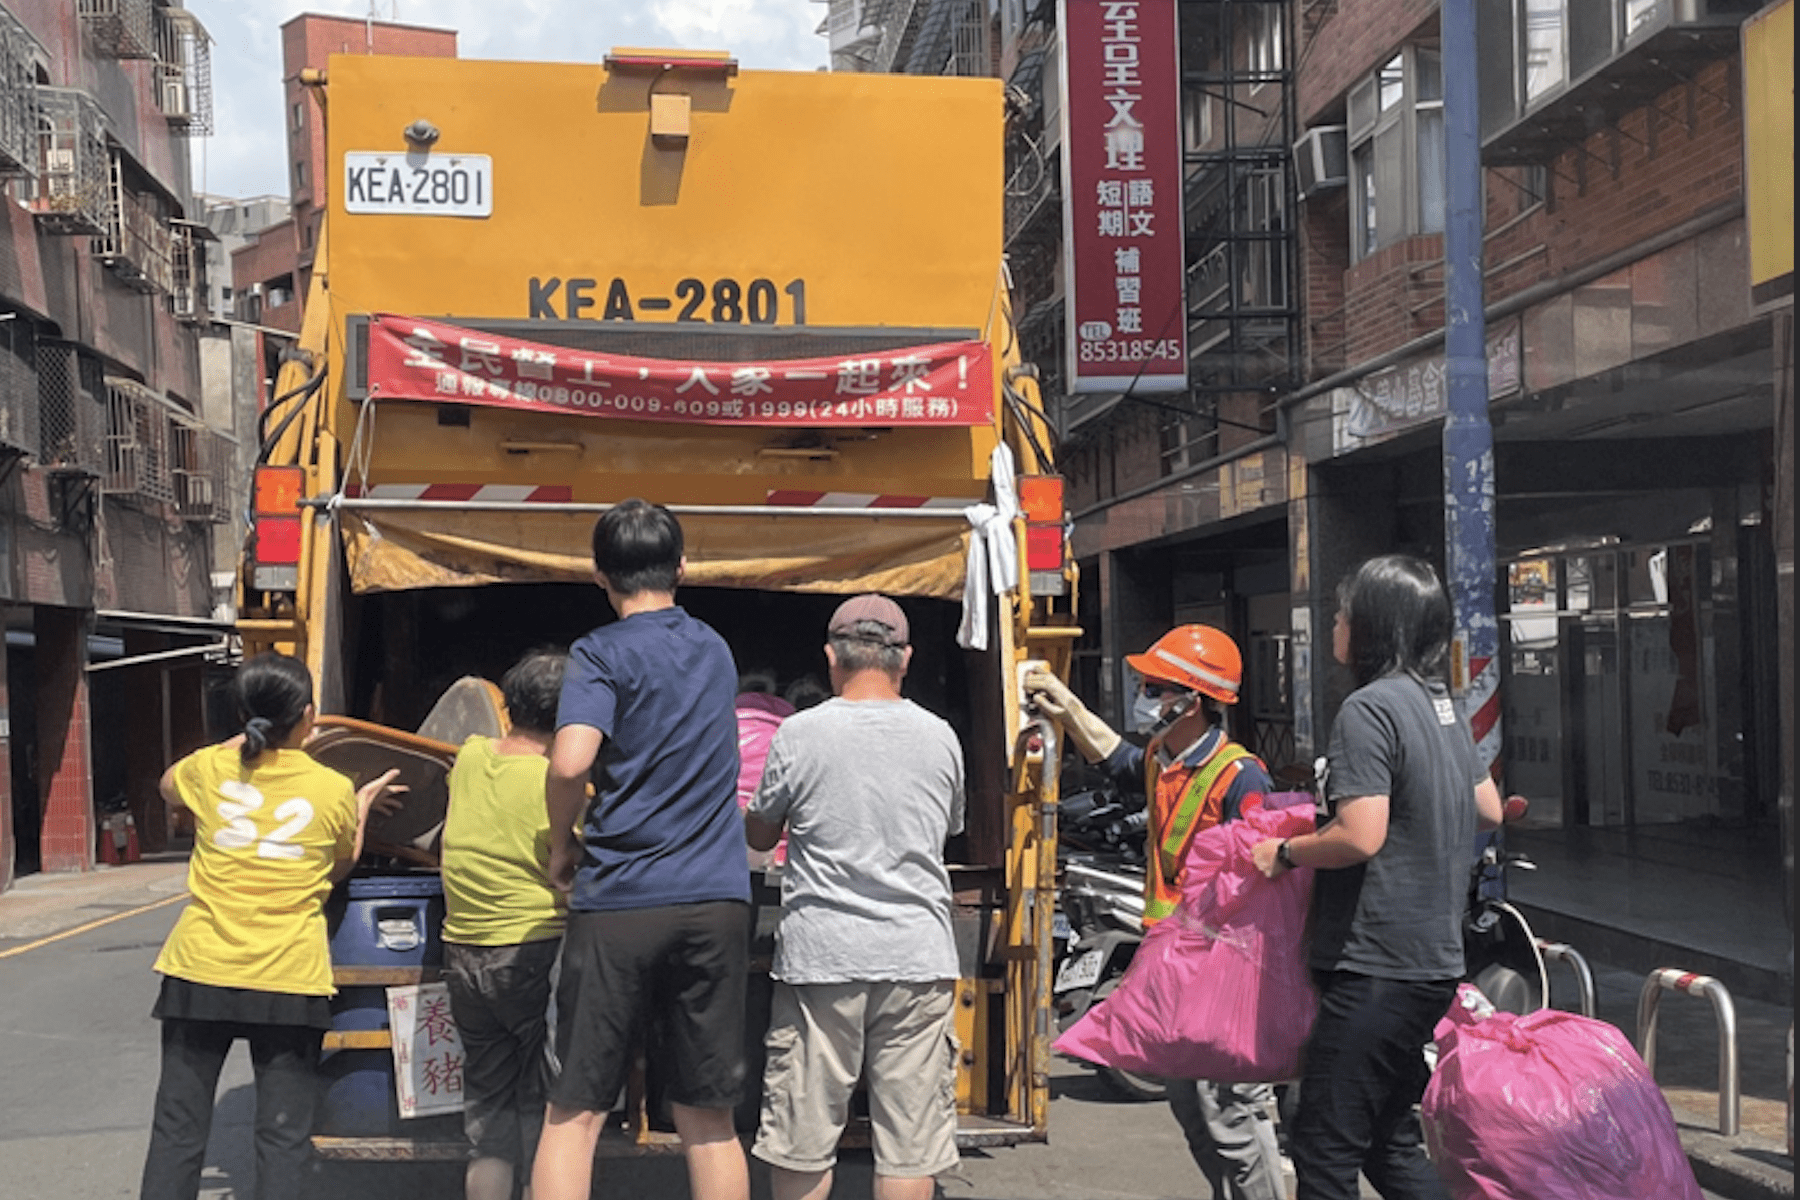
(868,786)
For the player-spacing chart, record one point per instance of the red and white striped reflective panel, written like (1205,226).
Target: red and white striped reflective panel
(797,498)
(536,493)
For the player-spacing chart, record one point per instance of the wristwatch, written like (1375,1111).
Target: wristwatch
(1282,856)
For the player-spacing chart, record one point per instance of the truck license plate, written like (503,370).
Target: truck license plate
(418,185)
(1079,972)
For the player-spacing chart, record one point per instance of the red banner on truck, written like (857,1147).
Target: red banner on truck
(943,384)
(1122,220)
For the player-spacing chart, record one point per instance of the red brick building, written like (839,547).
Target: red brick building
(273,274)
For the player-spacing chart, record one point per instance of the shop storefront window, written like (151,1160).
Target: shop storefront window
(1611,695)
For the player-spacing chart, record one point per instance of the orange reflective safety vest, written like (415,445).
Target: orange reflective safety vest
(1183,801)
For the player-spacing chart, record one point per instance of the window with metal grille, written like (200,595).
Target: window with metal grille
(194,460)
(136,243)
(19,52)
(187,274)
(71,409)
(184,72)
(200,470)
(120,28)
(137,444)
(73,194)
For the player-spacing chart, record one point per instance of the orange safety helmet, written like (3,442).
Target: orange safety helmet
(1197,657)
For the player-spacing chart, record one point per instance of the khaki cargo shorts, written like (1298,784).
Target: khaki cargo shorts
(899,1038)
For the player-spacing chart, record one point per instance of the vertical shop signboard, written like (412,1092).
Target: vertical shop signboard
(1125,314)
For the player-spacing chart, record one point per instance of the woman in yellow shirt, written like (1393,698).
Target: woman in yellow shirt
(249,957)
(503,926)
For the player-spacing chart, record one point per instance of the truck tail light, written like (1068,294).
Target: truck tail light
(275,506)
(277,490)
(1041,499)
(277,541)
(1043,548)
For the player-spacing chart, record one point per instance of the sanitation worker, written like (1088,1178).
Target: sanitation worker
(1193,777)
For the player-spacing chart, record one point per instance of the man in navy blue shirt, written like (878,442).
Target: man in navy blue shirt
(659,910)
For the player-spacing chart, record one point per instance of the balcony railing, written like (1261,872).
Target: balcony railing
(1553,72)
(19,52)
(73,193)
(120,28)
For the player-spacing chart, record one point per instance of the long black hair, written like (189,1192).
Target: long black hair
(272,692)
(1399,618)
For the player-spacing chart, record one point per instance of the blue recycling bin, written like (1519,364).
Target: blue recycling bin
(377,921)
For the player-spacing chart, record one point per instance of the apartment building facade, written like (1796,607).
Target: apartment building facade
(1630,375)
(111,477)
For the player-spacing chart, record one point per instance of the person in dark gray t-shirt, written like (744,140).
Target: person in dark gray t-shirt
(1406,793)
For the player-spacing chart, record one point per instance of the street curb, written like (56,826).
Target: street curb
(1640,954)
(1740,1168)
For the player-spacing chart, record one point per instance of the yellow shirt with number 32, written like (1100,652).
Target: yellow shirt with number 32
(266,839)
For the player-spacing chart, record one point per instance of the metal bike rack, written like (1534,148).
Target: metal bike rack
(1673,979)
(1584,976)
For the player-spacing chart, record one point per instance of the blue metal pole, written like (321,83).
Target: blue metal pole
(1468,435)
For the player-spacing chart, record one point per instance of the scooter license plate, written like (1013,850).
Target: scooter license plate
(1081,971)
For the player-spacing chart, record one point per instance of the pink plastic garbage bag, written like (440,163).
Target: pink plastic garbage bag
(759,715)
(1548,1106)
(1219,989)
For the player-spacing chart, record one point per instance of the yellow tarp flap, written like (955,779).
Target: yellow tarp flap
(400,549)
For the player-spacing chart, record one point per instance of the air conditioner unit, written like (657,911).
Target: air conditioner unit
(1322,159)
(175,98)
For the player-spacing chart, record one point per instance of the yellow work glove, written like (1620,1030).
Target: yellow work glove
(1052,697)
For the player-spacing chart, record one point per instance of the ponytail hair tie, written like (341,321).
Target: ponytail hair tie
(257,731)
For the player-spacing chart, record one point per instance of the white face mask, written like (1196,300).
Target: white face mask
(1146,711)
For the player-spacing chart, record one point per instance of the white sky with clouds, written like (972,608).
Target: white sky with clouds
(247,156)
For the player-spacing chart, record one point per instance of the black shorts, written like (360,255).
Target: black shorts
(500,1000)
(671,979)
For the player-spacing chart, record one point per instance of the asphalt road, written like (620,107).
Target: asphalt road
(78,1067)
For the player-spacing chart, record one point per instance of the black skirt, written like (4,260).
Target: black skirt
(185,1000)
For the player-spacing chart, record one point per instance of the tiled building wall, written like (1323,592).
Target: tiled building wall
(1669,170)
(59,528)
(1665,164)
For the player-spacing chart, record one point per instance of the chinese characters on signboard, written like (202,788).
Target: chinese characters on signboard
(1126,318)
(944,384)
(428,1052)
(1400,397)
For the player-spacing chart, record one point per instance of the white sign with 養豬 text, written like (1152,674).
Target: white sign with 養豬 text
(428,1052)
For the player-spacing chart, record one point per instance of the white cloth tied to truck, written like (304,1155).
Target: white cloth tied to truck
(993,564)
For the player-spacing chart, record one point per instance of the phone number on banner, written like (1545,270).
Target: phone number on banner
(877,408)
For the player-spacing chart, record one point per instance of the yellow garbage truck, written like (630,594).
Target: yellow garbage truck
(775,302)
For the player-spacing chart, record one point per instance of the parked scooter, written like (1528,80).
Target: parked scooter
(1099,925)
(1500,951)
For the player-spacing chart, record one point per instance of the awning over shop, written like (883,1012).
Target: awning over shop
(402,549)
